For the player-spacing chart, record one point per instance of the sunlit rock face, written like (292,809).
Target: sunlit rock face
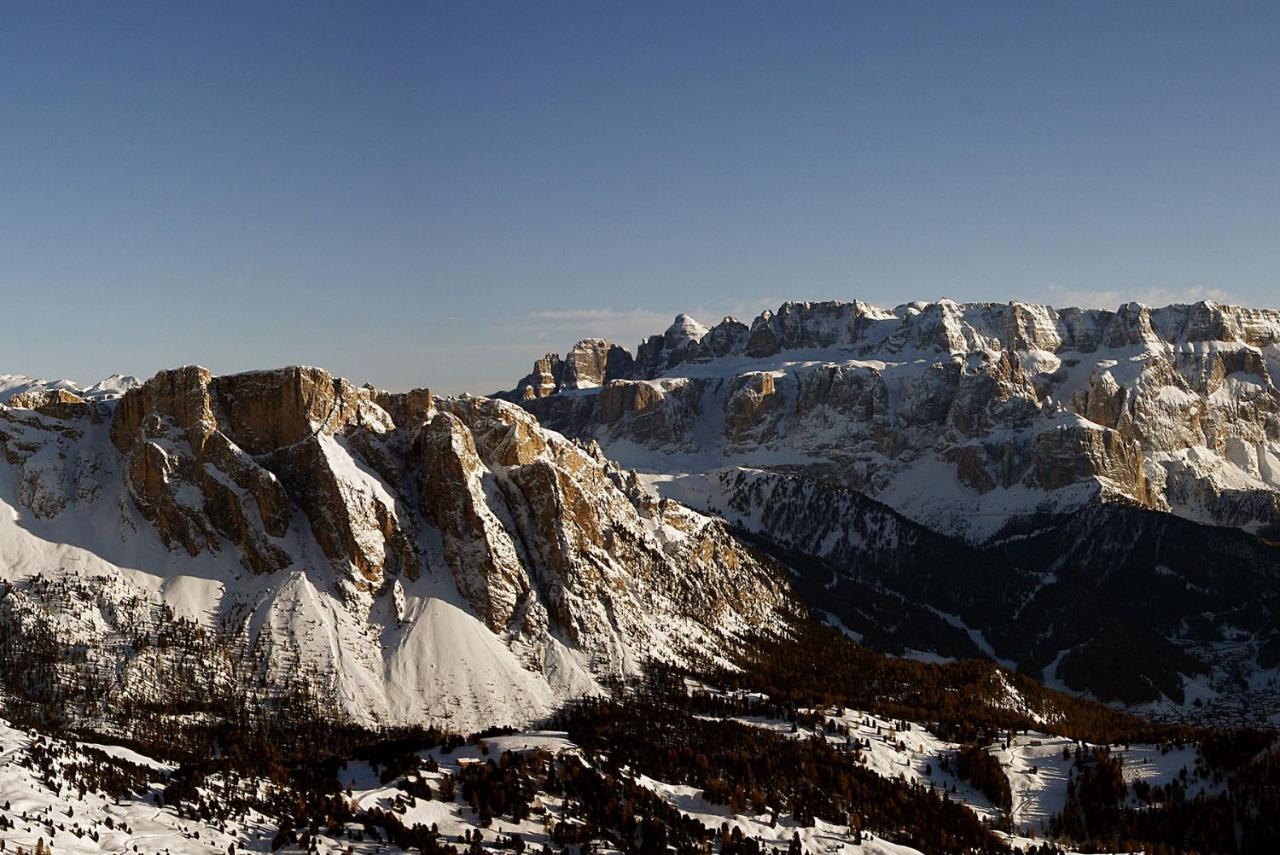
(231,458)
(538,528)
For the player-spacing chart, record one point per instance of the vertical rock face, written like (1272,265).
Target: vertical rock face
(539,531)
(544,380)
(1129,327)
(993,396)
(622,397)
(406,409)
(232,456)
(460,496)
(1071,453)
(180,395)
(764,339)
(1176,408)
(268,410)
(593,362)
(751,399)
(725,338)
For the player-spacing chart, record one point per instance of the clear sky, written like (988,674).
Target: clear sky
(434,194)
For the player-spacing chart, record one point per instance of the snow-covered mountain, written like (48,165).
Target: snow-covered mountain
(849,435)
(104,390)
(953,477)
(960,416)
(391,558)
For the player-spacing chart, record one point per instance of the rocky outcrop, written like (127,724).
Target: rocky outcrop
(660,413)
(406,409)
(589,364)
(55,403)
(625,397)
(595,361)
(1068,454)
(207,459)
(752,398)
(460,496)
(544,380)
(541,532)
(994,395)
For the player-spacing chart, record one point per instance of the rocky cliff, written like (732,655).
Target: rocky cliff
(962,416)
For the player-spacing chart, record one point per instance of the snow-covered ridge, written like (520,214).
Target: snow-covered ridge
(106,389)
(961,416)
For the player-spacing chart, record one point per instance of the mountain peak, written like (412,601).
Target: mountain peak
(684,330)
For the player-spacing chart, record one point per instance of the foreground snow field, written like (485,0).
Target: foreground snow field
(71,796)
(40,800)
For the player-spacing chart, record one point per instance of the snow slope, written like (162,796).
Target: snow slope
(40,796)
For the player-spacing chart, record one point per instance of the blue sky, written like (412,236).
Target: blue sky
(434,194)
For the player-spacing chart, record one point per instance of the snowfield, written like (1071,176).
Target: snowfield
(45,807)
(40,806)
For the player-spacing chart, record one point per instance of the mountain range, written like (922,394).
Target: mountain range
(975,521)
(1049,488)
